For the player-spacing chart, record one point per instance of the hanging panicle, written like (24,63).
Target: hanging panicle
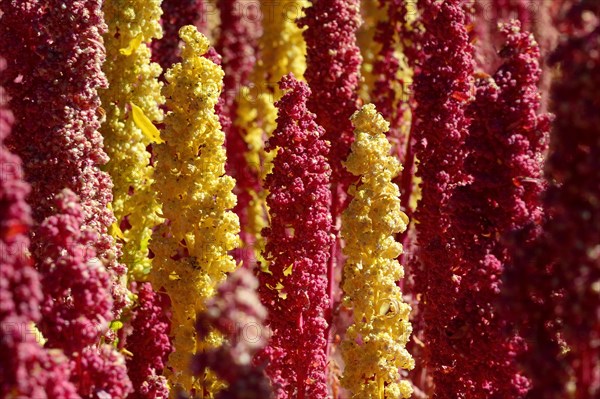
(555,279)
(26,369)
(149,344)
(53,77)
(131,103)
(374,348)
(77,305)
(573,197)
(505,147)
(191,247)
(443,91)
(333,74)
(294,287)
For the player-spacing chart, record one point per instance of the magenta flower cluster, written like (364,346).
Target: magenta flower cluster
(27,370)
(150,344)
(53,76)
(333,74)
(299,239)
(442,92)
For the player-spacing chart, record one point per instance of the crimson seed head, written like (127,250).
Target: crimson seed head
(53,75)
(506,143)
(333,74)
(149,342)
(26,369)
(555,278)
(298,242)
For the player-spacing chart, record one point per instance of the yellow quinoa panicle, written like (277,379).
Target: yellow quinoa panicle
(375,345)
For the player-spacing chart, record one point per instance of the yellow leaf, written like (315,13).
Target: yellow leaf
(265,269)
(384,308)
(133,45)
(116,231)
(126,352)
(277,287)
(145,124)
(288,270)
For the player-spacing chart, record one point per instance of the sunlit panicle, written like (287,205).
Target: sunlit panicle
(191,248)
(374,349)
(298,241)
(131,103)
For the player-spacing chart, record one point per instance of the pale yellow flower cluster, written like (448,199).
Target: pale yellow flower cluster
(375,345)
(282,50)
(371,14)
(191,249)
(133,86)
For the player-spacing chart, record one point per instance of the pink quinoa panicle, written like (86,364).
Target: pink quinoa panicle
(149,342)
(294,287)
(178,13)
(27,370)
(443,90)
(53,76)
(506,143)
(236,312)
(100,372)
(555,279)
(333,74)
(77,304)
(574,197)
